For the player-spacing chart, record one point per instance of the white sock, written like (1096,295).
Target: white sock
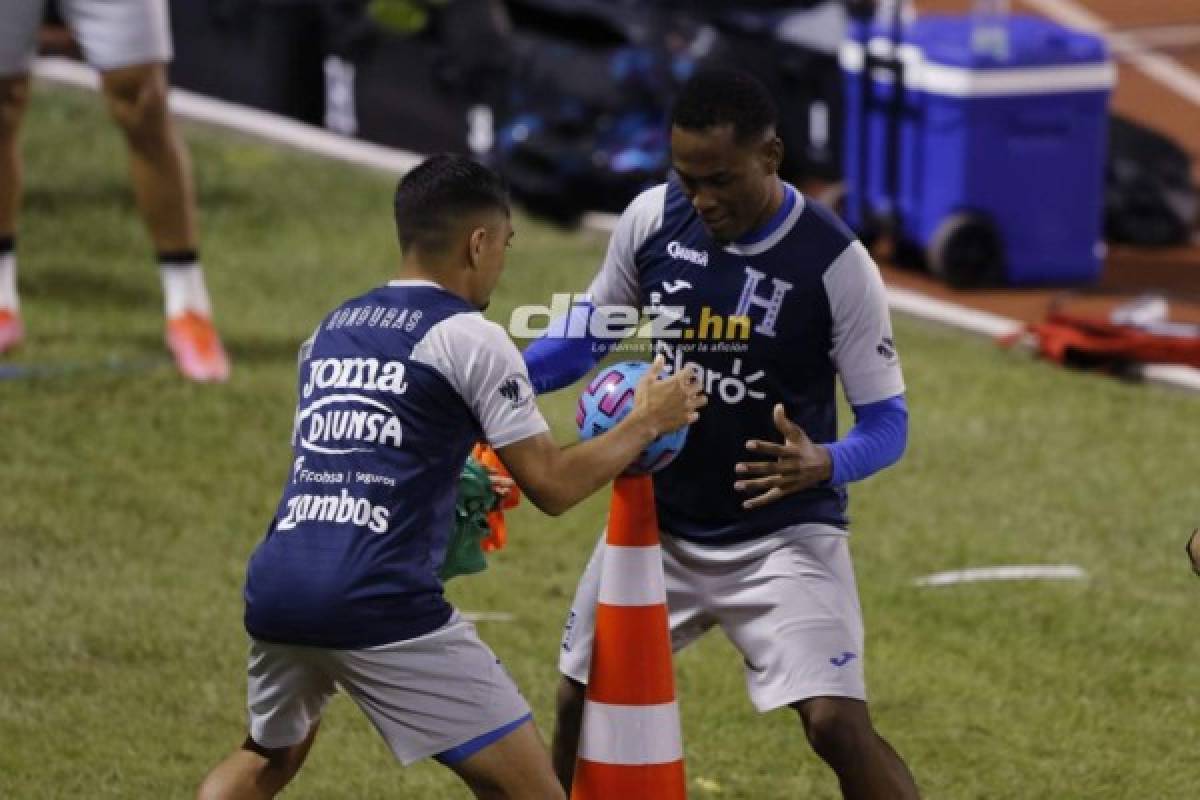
(184,289)
(8,282)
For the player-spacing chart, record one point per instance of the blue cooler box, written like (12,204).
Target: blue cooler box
(1011,144)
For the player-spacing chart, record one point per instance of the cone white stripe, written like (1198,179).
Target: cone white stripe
(633,576)
(614,734)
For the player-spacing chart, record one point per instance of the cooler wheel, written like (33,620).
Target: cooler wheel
(966,251)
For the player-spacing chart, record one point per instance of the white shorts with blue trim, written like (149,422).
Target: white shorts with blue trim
(788,602)
(112,33)
(425,696)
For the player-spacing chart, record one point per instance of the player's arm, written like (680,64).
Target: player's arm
(864,353)
(558,358)
(876,441)
(484,367)
(556,478)
(1193,550)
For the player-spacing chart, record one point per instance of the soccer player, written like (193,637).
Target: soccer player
(394,388)
(753,511)
(129,42)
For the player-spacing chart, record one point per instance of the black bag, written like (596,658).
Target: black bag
(585,127)
(1149,197)
(260,54)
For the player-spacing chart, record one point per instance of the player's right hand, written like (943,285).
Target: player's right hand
(666,404)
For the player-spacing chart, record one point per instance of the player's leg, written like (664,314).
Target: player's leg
(841,733)
(513,767)
(688,619)
(286,691)
(162,181)
(18,42)
(446,695)
(137,99)
(14,96)
(568,720)
(253,772)
(129,42)
(791,608)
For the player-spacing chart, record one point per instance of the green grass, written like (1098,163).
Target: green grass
(129,502)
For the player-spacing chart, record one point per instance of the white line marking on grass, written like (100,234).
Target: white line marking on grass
(281,130)
(918,305)
(1161,68)
(272,127)
(1031,572)
(488,616)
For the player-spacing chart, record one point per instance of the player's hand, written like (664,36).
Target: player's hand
(797,465)
(668,404)
(1193,550)
(502,485)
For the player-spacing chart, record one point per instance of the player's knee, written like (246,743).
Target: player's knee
(217,786)
(138,105)
(14,97)
(837,729)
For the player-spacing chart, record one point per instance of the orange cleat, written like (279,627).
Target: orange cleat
(193,341)
(12,330)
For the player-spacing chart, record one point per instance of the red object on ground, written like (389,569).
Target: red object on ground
(1087,342)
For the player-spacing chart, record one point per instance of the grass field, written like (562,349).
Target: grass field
(129,501)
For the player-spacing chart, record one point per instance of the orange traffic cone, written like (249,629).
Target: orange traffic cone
(630,744)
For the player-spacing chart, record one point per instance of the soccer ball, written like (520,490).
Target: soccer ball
(606,401)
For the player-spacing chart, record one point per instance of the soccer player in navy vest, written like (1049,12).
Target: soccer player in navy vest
(753,511)
(394,388)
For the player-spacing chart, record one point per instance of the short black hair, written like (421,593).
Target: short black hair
(431,199)
(720,96)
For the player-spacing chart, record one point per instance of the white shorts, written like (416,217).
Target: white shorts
(425,695)
(112,33)
(787,602)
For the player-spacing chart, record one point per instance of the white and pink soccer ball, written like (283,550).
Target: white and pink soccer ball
(606,401)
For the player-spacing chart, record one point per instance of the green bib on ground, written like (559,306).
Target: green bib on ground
(464,553)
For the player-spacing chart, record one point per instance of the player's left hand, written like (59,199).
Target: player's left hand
(798,464)
(1193,550)
(502,485)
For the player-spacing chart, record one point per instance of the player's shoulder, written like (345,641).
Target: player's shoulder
(821,234)
(824,217)
(469,335)
(645,212)
(648,201)
(472,326)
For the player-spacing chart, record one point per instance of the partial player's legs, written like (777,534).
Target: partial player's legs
(255,773)
(14,97)
(793,612)
(568,721)
(162,179)
(162,183)
(840,731)
(515,767)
